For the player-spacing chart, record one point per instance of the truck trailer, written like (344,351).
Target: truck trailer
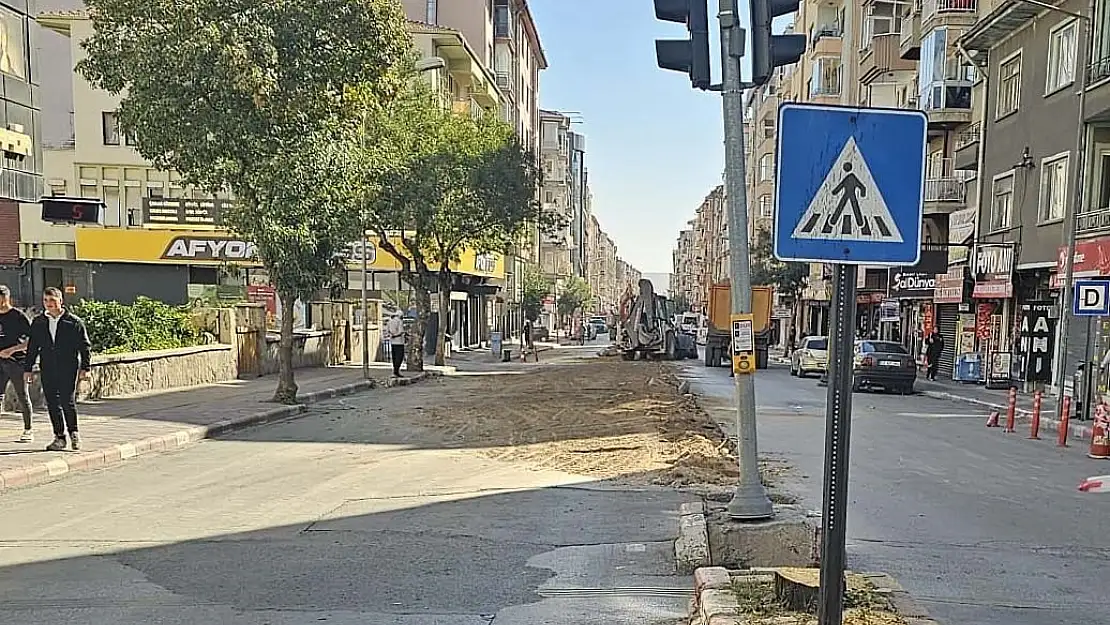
(718,339)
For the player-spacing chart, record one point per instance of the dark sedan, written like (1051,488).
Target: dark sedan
(881,364)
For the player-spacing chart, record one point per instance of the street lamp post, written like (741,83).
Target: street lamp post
(429,64)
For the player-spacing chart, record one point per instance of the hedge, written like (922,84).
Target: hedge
(147,324)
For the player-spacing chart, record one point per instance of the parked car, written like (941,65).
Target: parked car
(600,324)
(881,364)
(812,356)
(540,333)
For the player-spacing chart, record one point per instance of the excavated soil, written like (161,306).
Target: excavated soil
(603,418)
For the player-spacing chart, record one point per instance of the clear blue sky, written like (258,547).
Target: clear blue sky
(654,145)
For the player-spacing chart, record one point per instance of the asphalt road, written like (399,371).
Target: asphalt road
(347,516)
(982,527)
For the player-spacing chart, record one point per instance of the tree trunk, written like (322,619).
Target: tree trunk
(423,301)
(444,319)
(286,392)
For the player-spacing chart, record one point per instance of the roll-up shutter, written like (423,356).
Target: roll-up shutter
(948,316)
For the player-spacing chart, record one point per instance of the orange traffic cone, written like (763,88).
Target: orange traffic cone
(992,419)
(1100,439)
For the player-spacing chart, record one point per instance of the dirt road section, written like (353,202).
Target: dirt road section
(602,418)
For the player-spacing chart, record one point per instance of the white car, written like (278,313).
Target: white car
(812,356)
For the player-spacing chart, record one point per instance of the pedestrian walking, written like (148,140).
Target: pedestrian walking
(395,330)
(934,347)
(15,330)
(59,343)
(527,342)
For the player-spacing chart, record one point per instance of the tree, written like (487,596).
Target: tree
(449,183)
(788,278)
(259,99)
(536,287)
(575,295)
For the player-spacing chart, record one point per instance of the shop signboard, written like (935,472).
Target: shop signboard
(949,286)
(920,280)
(183,211)
(889,311)
(961,228)
(994,271)
(1038,340)
(1092,259)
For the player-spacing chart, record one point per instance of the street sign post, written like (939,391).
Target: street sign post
(849,191)
(1092,298)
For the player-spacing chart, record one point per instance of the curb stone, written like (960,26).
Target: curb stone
(71,462)
(691,548)
(715,603)
(1075,430)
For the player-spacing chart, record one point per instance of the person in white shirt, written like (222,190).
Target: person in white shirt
(395,331)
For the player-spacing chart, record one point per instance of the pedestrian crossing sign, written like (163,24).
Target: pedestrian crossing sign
(850,184)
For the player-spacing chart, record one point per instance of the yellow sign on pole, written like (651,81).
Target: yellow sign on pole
(743,343)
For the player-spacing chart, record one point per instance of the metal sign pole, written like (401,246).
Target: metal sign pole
(838,426)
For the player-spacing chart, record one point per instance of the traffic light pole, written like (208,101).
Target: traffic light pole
(750,501)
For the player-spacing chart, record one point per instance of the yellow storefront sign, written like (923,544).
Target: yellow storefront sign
(183,247)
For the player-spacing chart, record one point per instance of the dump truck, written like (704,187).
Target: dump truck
(718,339)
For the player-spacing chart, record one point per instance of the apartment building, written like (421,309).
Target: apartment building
(1030,71)
(565,194)
(20,135)
(684,276)
(161,239)
(763,110)
(508,44)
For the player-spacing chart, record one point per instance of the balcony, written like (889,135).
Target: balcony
(502,22)
(506,83)
(937,13)
(947,102)
(966,156)
(1093,221)
(881,58)
(825,40)
(945,187)
(468,106)
(825,86)
(909,39)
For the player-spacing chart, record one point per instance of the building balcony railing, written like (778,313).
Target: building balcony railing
(947,94)
(932,7)
(824,88)
(826,30)
(1093,221)
(505,81)
(945,190)
(968,136)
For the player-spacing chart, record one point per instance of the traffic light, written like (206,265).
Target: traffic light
(770,51)
(685,55)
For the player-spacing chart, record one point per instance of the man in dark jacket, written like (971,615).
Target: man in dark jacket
(60,343)
(14,332)
(934,347)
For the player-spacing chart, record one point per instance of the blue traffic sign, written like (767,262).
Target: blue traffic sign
(850,184)
(1092,298)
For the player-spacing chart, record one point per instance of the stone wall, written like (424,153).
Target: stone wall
(311,348)
(114,375)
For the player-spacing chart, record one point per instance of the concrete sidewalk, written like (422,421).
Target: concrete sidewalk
(998,399)
(114,430)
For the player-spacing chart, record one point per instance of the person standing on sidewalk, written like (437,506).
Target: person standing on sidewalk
(60,344)
(15,331)
(395,330)
(934,347)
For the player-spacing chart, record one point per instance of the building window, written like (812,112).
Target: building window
(766,206)
(109,128)
(1061,57)
(1009,85)
(431,12)
(768,128)
(1003,204)
(766,167)
(1054,187)
(13,44)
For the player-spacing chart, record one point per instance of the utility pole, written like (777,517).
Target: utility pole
(750,501)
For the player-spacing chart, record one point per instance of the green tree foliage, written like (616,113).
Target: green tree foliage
(146,325)
(260,99)
(788,278)
(445,183)
(574,296)
(536,288)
